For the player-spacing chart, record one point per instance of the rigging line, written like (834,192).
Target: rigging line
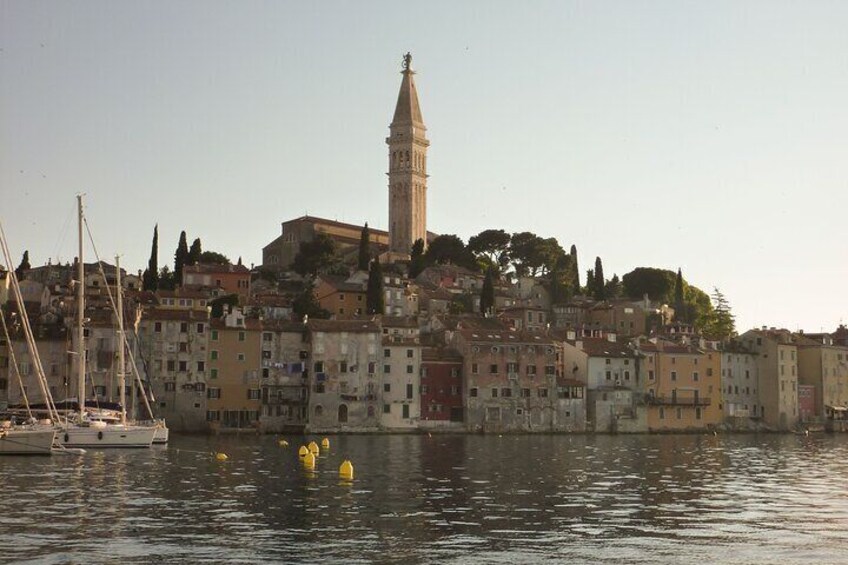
(126,342)
(60,239)
(15,362)
(30,338)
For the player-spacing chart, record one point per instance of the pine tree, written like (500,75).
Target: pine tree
(599,286)
(417,261)
(364,248)
(150,279)
(23,267)
(180,258)
(575,282)
(374,301)
(194,252)
(722,322)
(487,293)
(680,309)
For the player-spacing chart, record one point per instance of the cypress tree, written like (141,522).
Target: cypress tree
(575,282)
(194,252)
(417,261)
(487,293)
(364,249)
(23,267)
(150,280)
(600,284)
(590,282)
(374,301)
(679,302)
(180,258)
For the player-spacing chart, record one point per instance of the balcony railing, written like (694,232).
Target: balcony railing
(677,400)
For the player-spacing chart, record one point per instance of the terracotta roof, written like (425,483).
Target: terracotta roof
(602,347)
(351,326)
(488,336)
(317,220)
(175,315)
(399,322)
(440,354)
(648,347)
(212,268)
(282,326)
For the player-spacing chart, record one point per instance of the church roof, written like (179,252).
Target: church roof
(407,110)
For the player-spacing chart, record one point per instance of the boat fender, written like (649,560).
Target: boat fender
(99,435)
(67,438)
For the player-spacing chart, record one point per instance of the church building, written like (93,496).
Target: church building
(407,174)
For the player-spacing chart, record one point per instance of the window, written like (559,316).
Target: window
(387,369)
(343,367)
(240,357)
(214,335)
(709,371)
(387,408)
(454,372)
(409,390)
(472,392)
(319,388)
(550,370)
(531,370)
(372,368)
(609,375)
(543,393)
(475,369)
(213,354)
(493,369)
(673,360)
(454,390)
(697,413)
(319,366)
(241,336)
(172,366)
(213,373)
(662,413)
(494,393)
(213,392)
(387,387)
(674,375)
(183,347)
(626,375)
(525,393)
(184,327)
(410,353)
(170,387)
(695,376)
(183,366)
(506,392)
(254,394)
(405,412)
(201,328)
(157,327)
(607,361)
(267,336)
(213,415)
(266,353)
(387,353)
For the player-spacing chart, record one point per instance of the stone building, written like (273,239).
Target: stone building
(777,368)
(739,385)
(510,380)
(442,398)
(824,366)
(234,390)
(345,377)
(401,362)
(285,386)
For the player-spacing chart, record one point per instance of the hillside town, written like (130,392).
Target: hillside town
(345,328)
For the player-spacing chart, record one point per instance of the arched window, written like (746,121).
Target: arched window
(342,413)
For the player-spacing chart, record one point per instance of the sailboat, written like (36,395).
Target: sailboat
(32,437)
(87,431)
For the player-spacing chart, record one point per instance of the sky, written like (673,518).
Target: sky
(707,136)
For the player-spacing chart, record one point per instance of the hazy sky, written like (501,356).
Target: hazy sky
(711,136)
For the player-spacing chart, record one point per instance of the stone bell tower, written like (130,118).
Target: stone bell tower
(408,144)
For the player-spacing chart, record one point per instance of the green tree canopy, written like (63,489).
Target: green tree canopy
(23,267)
(599,286)
(491,248)
(533,255)
(721,323)
(167,279)
(306,304)
(449,250)
(213,258)
(314,255)
(487,293)
(180,257)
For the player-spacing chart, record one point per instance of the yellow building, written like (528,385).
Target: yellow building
(234,392)
(682,384)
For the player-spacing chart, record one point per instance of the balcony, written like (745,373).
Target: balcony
(677,400)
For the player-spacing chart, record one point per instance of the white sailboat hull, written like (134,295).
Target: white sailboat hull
(107,436)
(27,441)
(161,435)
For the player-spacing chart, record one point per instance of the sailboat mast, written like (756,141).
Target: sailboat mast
(80,314)
(121,362)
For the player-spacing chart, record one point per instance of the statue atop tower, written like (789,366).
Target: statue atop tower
(408,144)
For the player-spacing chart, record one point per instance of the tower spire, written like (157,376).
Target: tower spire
(408,145)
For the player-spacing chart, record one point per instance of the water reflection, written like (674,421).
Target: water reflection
(639,499)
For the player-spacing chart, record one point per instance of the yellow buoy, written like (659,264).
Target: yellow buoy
(313,448)
(309,461)
(303,451)
(325,443)
(283,443)
(346,470)
(221,456)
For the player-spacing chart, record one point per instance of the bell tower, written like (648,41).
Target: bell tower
(408,144)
